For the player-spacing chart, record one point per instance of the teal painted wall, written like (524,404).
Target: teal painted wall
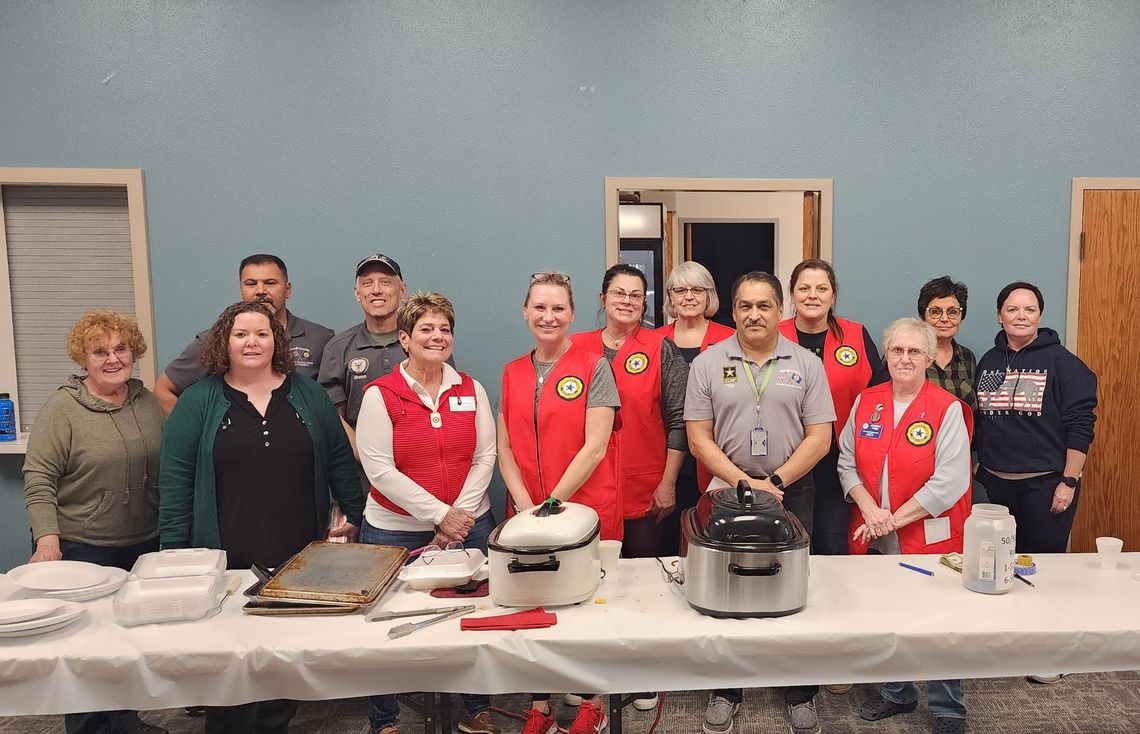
(470,140)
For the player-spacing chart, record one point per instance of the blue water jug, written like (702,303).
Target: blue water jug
(7,418)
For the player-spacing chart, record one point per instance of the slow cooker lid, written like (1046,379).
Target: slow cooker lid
(741,515)
(553,524)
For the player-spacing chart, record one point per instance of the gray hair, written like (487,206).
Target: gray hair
(691,274)
(914,326)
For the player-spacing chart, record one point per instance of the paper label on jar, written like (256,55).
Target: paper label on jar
(987,560)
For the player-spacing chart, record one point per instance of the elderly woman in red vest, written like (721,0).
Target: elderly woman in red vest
(850,361)
(557,422)
(905,463)
(426,438)
(651,376)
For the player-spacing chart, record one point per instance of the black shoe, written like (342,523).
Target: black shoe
(195,710)
(946,725)
(880,708)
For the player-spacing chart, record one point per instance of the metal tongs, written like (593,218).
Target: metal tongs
(403,630)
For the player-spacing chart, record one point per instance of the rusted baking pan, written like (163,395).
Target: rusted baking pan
(336,573)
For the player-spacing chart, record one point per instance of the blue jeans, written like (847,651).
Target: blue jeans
(104,722)
(383,709)
(944,698)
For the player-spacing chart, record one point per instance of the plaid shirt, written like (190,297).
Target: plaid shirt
(958,377)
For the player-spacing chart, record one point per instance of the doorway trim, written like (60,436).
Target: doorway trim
(614,184)
(1076,228)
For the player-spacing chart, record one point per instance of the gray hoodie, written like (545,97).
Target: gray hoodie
(91,470)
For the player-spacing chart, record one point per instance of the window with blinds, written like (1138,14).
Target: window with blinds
(69,251)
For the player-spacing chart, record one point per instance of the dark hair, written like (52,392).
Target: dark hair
(1020,285)
(817,264)
(759,276)
(263,259)
(942,288)
(216,351)
(626,269)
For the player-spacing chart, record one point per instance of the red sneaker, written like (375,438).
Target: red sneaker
(590,720)
(539,723)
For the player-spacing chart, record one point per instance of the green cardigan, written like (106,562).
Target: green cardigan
(188,508)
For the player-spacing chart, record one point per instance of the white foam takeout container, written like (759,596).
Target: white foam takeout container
(175,599)
(179,562)
(449,568)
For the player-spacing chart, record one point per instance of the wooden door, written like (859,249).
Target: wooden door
(1110,293)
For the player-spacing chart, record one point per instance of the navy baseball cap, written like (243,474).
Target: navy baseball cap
(383,260)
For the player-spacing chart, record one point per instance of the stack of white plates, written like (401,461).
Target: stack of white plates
(28,617)
(67,580)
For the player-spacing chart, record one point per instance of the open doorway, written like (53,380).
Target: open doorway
(728,250)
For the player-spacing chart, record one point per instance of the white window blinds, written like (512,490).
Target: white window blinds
(69,251)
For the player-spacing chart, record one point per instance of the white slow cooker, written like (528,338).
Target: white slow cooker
(545,556)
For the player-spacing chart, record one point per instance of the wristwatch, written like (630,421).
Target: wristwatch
(1070,481)
(776,482)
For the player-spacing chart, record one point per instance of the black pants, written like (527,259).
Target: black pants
(259,717)
(687,496)
(641,537)
(1029,500)
(832,512)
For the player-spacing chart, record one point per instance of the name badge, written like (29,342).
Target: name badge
(461,403)
(871,430)
(759,442)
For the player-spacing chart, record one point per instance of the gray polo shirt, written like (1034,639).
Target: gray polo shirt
(797,395)
(307,341)
(352,360)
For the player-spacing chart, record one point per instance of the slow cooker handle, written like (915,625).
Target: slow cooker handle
(744,493)
(550,564)
(739,570)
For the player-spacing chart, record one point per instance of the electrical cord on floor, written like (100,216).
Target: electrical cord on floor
(652,726)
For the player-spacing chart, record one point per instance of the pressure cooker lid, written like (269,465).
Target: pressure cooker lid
(551,525)
(742,515)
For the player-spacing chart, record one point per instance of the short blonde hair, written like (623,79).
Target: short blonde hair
(691,274)
(99,324)
(913,325)
(416,307)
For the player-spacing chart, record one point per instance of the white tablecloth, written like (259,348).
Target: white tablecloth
(866,620)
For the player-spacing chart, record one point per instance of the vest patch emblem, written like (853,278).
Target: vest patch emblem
(846,356)
(302,357)
(919,433)
(636,363)
(358,365)
(570,388)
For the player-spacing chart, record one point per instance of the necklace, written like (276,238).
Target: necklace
(617,341)
(546,372)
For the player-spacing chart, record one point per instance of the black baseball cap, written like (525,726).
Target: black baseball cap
(383,260)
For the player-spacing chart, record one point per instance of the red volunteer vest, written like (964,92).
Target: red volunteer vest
(545,437)
(641,458)
(911,448)
(715,333)
(437,459)
(844,362)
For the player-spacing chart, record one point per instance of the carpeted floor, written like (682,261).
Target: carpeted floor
(1102,703)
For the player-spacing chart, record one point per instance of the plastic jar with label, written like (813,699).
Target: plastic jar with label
(988,554)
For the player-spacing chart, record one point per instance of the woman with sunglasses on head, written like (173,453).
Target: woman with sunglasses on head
(691,300)
(651,376)
(557,418)
(852,363)
(426,439)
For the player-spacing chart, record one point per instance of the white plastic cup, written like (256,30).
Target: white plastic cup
(1108,550)
(610,551)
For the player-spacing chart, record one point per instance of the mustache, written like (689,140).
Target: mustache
(753,322)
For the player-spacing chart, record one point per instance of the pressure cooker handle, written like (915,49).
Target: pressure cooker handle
(744,493)
(550,564)
(739,570)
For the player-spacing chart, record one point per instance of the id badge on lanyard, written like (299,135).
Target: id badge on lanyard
(759,435)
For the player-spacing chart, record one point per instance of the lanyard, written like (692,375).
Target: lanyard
(763,385)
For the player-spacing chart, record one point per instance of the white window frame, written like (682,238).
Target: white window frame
(132,180)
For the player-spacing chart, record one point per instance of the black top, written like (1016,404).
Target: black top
(814,344)
(263,478)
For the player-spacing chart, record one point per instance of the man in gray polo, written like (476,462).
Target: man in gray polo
(758,408)
(265,279)
(358,355)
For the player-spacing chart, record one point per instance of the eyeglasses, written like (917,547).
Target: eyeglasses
(556,278)
(936,313)
(912,353)
(619,295)
(683,291)
(102,354)
(431,553)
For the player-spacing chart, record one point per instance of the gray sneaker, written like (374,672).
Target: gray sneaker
(804,718)
(719,714)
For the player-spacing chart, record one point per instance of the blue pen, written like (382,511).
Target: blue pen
(923,571)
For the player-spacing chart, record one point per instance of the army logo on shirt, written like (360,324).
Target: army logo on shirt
(729,375)
(846,356)
(358,365)
(636,363)
(569,388)
(919,433)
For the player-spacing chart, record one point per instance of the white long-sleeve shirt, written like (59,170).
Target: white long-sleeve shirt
(374,445)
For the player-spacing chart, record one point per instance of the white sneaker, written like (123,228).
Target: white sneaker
(645,704)
(571,699)
(1045,679)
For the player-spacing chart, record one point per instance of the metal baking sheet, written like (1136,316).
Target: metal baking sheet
(347,573)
